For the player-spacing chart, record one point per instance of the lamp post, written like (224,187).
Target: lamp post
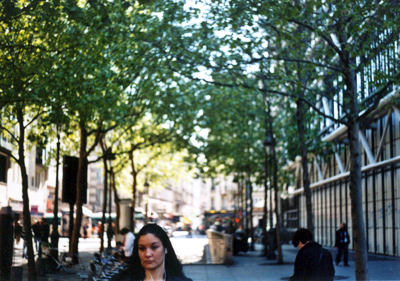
(269,144)
(268,175)
(266,239)
(146,206)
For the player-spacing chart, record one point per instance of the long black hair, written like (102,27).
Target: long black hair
(173,266)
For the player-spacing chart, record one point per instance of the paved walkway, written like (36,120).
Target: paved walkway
(252,266)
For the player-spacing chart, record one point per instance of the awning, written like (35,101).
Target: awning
(86,211)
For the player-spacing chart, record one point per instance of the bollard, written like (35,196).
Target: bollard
(41,267)
(6,243)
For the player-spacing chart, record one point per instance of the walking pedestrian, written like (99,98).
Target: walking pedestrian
(24,246)
(17,231)
(342,244)
(44,235)
(45,231)
(154,258)
(127,244)
(312,261)
(85,230)
(37,235)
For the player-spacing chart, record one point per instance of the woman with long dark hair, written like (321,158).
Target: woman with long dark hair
(154,258)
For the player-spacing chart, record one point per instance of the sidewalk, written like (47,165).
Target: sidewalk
(251,266)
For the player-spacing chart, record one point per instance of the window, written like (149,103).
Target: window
(39,156)
(98,196)
(3,168)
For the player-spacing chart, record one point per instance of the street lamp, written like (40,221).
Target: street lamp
(146,206)
(269,144)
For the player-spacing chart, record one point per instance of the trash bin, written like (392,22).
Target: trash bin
(6,243)
(220,246)
(270,244)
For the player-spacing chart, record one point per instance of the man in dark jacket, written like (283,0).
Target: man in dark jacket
(45,231)
(44,235)
(342,244)
(312,261)
(37,235)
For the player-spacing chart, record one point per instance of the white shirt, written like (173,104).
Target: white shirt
(128,247)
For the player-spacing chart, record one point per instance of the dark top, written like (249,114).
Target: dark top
(342,237)
(313,263)
(36,230)
(178,279)
(129,275)
(45,231)
(18,230)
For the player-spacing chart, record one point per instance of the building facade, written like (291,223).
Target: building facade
(329,176)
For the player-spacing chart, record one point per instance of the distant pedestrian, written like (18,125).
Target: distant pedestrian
(24,246)
(85,231)
(127,244)
(17,231)
(44,235)
(189,230)
(217,225)
(312,261)
(230,229)
(342,244)
(37,235)
(45,230)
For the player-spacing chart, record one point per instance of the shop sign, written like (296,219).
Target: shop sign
(34,209)
(17,206)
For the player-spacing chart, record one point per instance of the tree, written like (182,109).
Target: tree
(231,119)
(23,58)
(346,40)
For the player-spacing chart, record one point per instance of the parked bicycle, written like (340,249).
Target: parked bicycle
(106,267)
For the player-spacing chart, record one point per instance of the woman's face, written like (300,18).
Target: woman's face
(151,251)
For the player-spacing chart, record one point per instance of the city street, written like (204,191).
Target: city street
(246,266)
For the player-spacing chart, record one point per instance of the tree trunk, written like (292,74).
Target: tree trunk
(116,201)
(251,216)
(105,198)
(304,161)
(79,191)
(134,185)
(265,210)
(359,236)
(55,235)
(109,225)
(246,206)
(240,186)
(71,222)
(277,211)
(25,198)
